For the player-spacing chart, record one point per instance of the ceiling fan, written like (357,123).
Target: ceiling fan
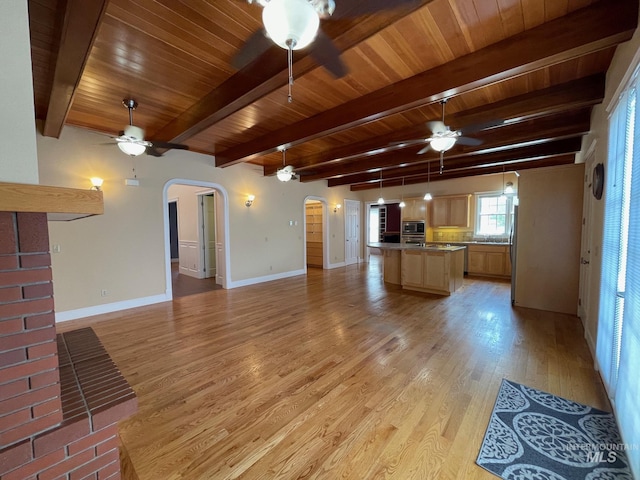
(295,24)
(285,173)
(443,138)
(131,141)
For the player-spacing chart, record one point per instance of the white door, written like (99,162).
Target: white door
(585,245)
(352,231)
(209,235)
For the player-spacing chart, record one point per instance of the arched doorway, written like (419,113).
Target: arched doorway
(206,220)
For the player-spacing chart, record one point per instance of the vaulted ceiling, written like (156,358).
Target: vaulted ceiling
(520,75)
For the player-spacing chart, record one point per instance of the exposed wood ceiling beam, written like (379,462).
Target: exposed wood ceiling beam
(79,28)
(585,92)
(550,161)
(568,37)
(509,137)
(476,162)
(269,73)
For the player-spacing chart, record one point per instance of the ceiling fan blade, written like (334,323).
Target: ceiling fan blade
(437,126)
(472,142)
(370,6)
(254,47)
(152,148)
(169,145)
(424,150)
(481,126)
(325,53)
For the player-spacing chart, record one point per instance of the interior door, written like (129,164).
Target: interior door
(352,231)
(585,243)
(209,234)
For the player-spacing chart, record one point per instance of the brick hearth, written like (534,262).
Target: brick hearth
(61,396)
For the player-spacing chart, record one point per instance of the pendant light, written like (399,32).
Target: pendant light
(427,196)
(504,193)
(402,204)
(380,199)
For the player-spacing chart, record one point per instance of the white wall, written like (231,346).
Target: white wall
(123,250)
(18,159)
(188,221)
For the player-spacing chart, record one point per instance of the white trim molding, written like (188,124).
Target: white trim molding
(110,307)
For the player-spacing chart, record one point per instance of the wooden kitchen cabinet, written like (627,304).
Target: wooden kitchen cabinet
(412,268)
(490,260)
(450,211)
(439,272)
(415,209)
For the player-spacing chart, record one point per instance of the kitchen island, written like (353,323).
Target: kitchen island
(430,268)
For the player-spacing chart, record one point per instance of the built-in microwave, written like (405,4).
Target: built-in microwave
(413,228)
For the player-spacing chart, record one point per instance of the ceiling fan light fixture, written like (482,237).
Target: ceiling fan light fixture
(291,24)
(285,174)
(442,144)
(131,148)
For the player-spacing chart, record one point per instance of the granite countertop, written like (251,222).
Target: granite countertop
(434,246)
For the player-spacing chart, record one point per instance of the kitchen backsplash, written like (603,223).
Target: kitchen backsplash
(463,236)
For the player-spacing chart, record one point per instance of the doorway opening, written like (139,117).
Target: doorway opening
(196,225)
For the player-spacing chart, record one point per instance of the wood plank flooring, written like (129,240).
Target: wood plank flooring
(332,375)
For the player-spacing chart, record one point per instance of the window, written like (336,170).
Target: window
(618,340)
(494,214)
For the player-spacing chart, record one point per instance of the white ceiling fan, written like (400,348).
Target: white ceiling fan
(285,173)
(131,141)
(443,138)
(295,24)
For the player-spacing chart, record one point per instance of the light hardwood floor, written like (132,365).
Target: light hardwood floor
(331,376)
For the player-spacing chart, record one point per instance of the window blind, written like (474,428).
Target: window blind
(611,304)
(628,382)
(618,341)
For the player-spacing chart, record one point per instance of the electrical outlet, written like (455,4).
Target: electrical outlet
(56,248)
(104,293)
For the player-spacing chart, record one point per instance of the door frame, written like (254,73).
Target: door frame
(224,221)
(325,230)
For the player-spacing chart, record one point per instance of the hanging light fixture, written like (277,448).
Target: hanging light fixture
(286,172)
(504,193)
(292,25)
(402,204)
(427,196)
(380,199)
(509,188)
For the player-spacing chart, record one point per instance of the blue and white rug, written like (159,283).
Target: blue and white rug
(535,435)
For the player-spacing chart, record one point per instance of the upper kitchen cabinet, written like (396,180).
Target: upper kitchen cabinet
(450,211)
(415,209)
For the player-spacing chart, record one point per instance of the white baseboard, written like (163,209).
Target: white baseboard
(591,343)
(110,307)
(266,278)
(336,265)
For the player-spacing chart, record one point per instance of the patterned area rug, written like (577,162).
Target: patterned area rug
(534,435)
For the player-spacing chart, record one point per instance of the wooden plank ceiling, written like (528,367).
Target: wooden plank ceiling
(536,65)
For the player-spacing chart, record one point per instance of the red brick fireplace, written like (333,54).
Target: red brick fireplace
(61,396)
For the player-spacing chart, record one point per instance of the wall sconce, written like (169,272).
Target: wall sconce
(96,182)
(336,208)
(249,201)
